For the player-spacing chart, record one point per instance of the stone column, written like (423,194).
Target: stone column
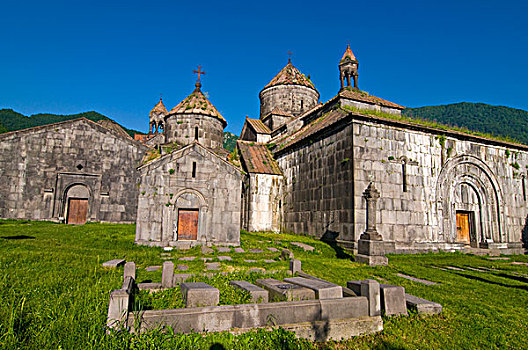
(371,248)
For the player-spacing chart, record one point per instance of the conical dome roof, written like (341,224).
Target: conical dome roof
(290,75)
(348,54)
(159,108)
(197,103)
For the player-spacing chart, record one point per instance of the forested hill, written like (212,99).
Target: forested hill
(11,120)
(481,117)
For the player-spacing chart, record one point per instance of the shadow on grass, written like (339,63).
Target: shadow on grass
(330,238)
(513,277)
(18,237)
(480,279)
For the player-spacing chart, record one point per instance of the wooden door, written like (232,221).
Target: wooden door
(462,222)
(77,211)
(187,224)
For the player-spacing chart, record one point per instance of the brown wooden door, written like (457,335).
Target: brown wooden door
(462,221)
(77,211)
(187,224)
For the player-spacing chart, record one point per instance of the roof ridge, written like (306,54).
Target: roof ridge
(197,103)
(290,75)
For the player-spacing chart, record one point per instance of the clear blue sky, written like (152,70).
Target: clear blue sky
(116,57)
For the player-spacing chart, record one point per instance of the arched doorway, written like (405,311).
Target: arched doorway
(469,203)
(189,215)
(77,204)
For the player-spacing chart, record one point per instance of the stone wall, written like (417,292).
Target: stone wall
(443,175)
(295,99)
(42,167)
(181,128)
(264,207)
(318,186)
(167,185)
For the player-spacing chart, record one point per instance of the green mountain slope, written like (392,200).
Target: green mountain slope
(11,120)
(230,140)
(481,117)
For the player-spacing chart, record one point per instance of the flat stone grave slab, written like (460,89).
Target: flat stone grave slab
(182,267)
(454,268)
(498,258)
(519,263)
(414,279)
(422,306)
(269,261)
(223,249)
(225,258)
(272,249)
(306,247)
(212,266)
(323,290)
(199,294)
(152,268)
(258,295)
(256,251)
(149,286)
(257,269)
(475,269)
(280,290)
(165,254)
(168,249)
(114,263)
(239,250)
(206,259)
(206,250)
(187,258)
(250,261)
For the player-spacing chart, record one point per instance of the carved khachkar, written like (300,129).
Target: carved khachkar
(371,247)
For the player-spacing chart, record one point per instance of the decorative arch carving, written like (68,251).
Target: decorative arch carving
(190,198)
(476,174)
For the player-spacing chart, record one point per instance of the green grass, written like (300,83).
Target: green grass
(54,292)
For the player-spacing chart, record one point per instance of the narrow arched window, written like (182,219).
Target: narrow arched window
(196,133)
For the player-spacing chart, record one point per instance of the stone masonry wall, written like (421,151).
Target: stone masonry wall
(443,175)
(38,165)
(295,99)
(167,185)
(264,208)
(318,186)
(181,128)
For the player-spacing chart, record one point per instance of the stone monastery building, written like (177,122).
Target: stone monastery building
(302,167)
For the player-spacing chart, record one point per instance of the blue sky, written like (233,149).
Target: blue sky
(116,57)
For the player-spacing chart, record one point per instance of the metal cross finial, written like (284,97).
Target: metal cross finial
(289,54)
(199,71)
(161,97)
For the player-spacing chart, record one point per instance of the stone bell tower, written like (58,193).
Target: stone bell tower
(348,68)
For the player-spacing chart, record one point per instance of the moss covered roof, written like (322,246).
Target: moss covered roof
(290,75)
(197,103)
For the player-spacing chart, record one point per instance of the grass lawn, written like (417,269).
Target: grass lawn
(54,292)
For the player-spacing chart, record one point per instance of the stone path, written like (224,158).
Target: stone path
(152,268)
(414,279)
(306,247)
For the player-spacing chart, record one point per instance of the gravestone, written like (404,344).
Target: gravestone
(187,258)
(256,250)
(323,290)
(167,274)
(295,266)
(286,254)
(414,279)
(304,246)
(199,294)
(212,266)
(371,290)
(206,250)
(280,290)
(223,249)
(130,270)
(272,249)
(152,268)
(393,300)
(239,250)
(258,295)
(422,306)
(225,258)
(114,263)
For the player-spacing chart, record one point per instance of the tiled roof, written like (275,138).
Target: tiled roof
(348,53)
(312,128)
(197,103)
(364,97)
(278,111)
(257,158)
(290,75)
(258,126)
(114,126)
(160,108)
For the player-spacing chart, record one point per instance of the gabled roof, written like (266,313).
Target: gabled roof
(290,75)
(109,124)
(257,158)
(159,108)
(197,103)
(364,97)
(258,126)
(348,54)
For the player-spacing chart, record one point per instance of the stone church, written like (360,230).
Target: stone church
(301,167)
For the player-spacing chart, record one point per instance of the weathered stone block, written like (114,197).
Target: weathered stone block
(258,295)
(280,290)
(114,263)
(167,274)
(393,300)
(130,270)
(322,289)
(295,266)
(199,294)
(371,290)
